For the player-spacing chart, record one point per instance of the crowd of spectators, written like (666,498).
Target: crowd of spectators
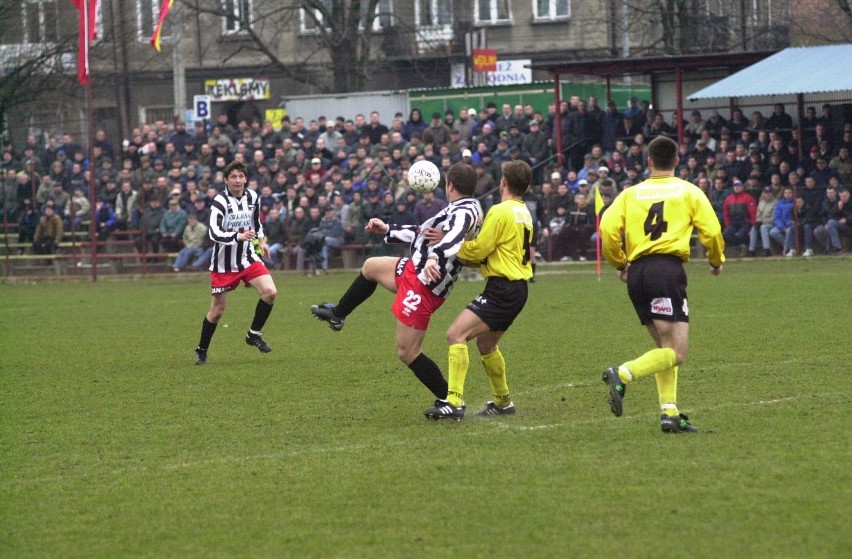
(321,181)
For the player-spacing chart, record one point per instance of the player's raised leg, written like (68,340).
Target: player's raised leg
(376,270)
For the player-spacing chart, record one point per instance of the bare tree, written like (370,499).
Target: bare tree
(339,32)
(671,27)
(822,21)
(30,72)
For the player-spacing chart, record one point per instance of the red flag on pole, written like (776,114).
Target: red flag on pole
(88,32)
(164,10)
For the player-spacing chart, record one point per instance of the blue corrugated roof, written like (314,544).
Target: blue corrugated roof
(788,72)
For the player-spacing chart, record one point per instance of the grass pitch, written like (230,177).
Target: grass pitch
(114,444)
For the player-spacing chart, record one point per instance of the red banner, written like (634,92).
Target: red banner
(88,32)
(484,60)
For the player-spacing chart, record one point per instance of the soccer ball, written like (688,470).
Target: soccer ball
(423,176)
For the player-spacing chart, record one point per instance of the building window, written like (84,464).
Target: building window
(552,10)
(238,16)
(40,21)
(492,11)
(433,13)
(147,16)
(150,115)
(311,20)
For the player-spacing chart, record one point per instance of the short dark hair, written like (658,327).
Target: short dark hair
(234,166)
(663,153)
(463,177)
(518,175)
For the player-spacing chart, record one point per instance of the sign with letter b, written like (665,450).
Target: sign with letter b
(201,105)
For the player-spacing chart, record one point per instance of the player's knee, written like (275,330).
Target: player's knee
(406,354)
(455,336)
(215,313)
(269,295)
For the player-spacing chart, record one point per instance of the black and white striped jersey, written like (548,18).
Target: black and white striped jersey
(229,216)
(460,221)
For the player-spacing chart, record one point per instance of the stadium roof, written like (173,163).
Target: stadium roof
(788,72)
(616,67)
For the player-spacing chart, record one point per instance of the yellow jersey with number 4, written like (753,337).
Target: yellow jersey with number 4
(657,216)
(503,244)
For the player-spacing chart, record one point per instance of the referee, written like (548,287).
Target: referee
(503,249)
(234,226)
(656,219)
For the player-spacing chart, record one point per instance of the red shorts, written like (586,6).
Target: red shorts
(228,281)
(414,302)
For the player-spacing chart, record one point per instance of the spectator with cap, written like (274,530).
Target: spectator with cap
(172,224)
(715,123)
(739,211)
(437,132)
(535,149)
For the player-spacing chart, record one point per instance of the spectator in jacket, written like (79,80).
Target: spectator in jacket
(718,196)
(104,219)
(808,220)
(764,221)
(149,239)
(48,233)
(838,219)
(783,231)
(76,210)
(194,236)
(414,125)
(738,210)
(172,225)
(332,230)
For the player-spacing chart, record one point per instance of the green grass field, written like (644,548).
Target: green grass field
(114,444)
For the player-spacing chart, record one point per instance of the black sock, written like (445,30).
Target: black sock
(261,313)
(430,375)
(533,268)
(207,329)
(358,292)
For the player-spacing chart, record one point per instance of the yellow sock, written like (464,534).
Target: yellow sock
(650,363)
(459,363)
(667,391)
(495,368)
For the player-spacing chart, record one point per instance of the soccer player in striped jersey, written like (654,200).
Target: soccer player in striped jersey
(655,219)
(417,295)
(503,249)
(234,227)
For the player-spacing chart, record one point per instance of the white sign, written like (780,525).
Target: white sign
(240,89)
(509,72)
(201,107)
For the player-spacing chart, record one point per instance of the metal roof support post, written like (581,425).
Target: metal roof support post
(679,96)
(557,121)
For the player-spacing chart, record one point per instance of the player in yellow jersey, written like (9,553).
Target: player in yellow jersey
(503,249)
(655,219)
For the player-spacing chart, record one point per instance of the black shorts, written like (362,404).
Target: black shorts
(657,288)
(500,303)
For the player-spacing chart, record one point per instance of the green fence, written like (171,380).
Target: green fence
(539,95)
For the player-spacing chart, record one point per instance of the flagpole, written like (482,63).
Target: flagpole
(90,117)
